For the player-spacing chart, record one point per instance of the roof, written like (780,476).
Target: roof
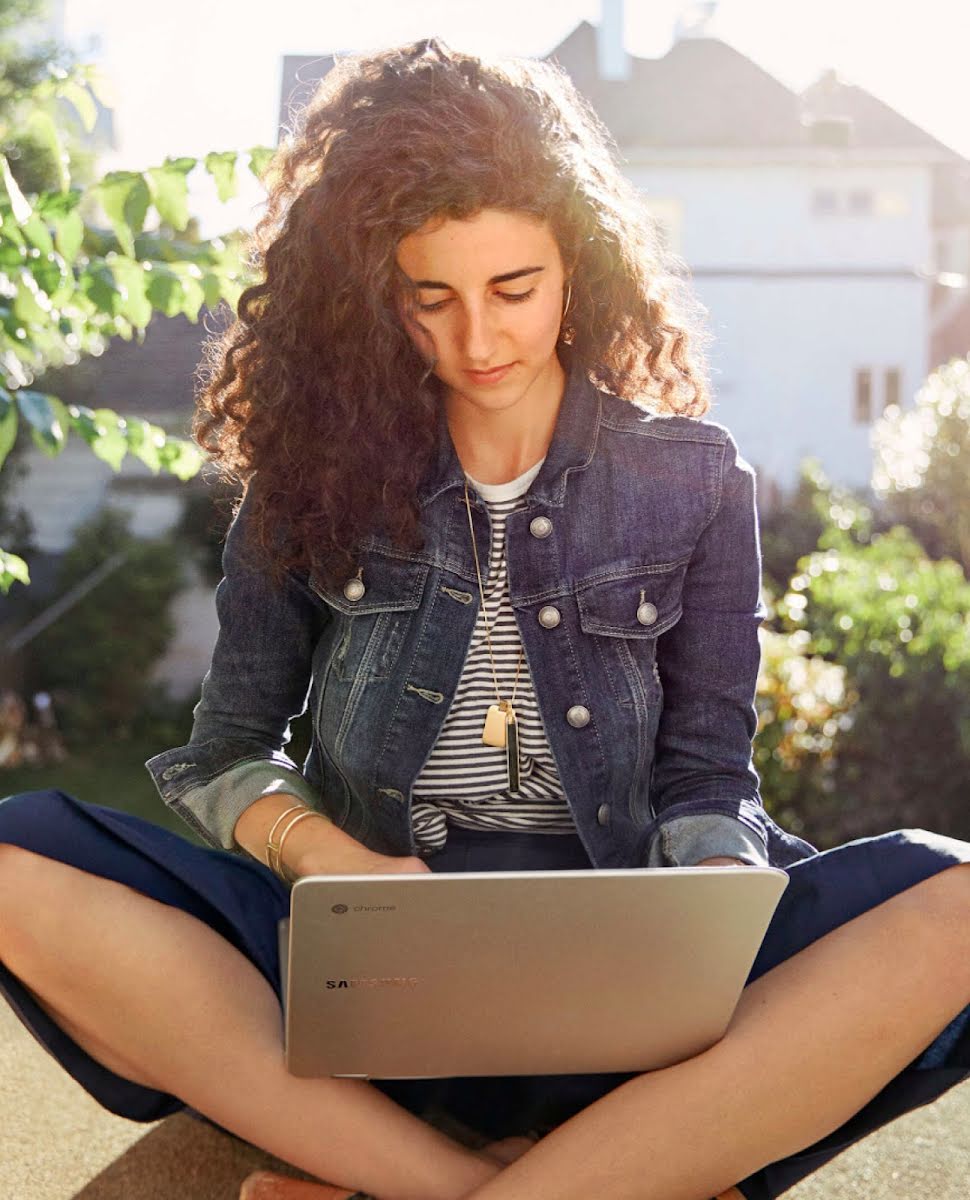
(704,93)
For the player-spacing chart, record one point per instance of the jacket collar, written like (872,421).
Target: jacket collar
(571,448)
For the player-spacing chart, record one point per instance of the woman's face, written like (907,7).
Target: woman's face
(490,294)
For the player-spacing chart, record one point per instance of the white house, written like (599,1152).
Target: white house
(826,235)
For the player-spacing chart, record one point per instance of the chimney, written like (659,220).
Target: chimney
(612,60)
(695,20)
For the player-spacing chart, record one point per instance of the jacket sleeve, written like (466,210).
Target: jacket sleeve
(704,791)
(257,682)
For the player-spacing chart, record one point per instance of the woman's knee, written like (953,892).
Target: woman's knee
(940,906)
(28,819)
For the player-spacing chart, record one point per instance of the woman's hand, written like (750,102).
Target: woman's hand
(507,1150)
(353,858)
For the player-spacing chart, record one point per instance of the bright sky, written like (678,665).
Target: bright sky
(195,76)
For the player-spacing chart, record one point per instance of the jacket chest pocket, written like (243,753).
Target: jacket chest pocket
(623,616)
(375,618)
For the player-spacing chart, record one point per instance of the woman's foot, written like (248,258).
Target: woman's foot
(268,1185)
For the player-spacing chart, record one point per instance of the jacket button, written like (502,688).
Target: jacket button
(540,527)
(647,614)
(354,589)
(578,716)
(549,617)
(603,814)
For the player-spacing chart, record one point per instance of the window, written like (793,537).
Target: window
(892,388)
(863,396)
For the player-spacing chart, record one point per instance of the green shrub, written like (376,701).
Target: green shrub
(897,622)
(96,659)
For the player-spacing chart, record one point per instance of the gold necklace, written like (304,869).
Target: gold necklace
(500,727)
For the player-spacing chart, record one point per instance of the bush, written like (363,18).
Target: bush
(803,704)
(896,621)
(922,463)
(96,659)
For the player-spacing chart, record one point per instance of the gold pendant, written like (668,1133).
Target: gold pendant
(495,725)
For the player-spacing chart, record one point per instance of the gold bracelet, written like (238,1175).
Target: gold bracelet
(296,820)
(272,851)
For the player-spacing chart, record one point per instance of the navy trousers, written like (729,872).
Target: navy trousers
(243,901)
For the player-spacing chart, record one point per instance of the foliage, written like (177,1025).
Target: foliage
(792,528)
(897,623)
(804,703)
(922,462)
(68,285)
(97,658)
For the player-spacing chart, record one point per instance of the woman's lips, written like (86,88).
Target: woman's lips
(492,376)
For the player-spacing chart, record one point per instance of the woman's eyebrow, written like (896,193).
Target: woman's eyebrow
(509,275)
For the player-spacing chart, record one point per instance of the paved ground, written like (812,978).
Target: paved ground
(58,1144)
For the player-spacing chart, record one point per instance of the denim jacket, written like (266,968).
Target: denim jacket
(640,530)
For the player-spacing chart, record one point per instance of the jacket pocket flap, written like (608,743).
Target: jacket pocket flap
(641,603)
(389,585)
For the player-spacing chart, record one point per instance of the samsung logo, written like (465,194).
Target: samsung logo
(386,981)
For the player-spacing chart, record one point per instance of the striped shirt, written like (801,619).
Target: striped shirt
(464,781)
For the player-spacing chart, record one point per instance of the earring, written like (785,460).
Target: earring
(569,296)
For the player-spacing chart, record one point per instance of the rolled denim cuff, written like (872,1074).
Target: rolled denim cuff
(686,841)
(212,809)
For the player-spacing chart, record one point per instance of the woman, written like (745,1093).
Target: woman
(483,510)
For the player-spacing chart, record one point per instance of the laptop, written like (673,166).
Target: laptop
(517,972)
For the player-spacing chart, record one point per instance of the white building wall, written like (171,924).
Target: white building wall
(798,300)
(61,493)
(783,367)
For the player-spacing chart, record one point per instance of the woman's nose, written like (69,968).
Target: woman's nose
(477,335)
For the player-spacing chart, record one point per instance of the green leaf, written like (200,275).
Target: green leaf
(259,159)
(36,232)
(18,202)
(164,290)
(212,289)
(52,276)
(98,283)
(112,446)
(81,100)
(8,423)
(85,423)
(100,84)
(222,167)
(132,280)
(12,570)
(144,441)
(13,252)
(125,197)
(47,417)
(69,235)
(53,205)
(30,304)
(41,128)
(170,190)
(193,294)
(182,458)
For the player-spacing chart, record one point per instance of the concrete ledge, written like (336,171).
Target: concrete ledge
(57,1143)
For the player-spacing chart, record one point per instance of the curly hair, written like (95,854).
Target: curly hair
(315,397)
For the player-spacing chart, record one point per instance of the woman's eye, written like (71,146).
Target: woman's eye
(512,297)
